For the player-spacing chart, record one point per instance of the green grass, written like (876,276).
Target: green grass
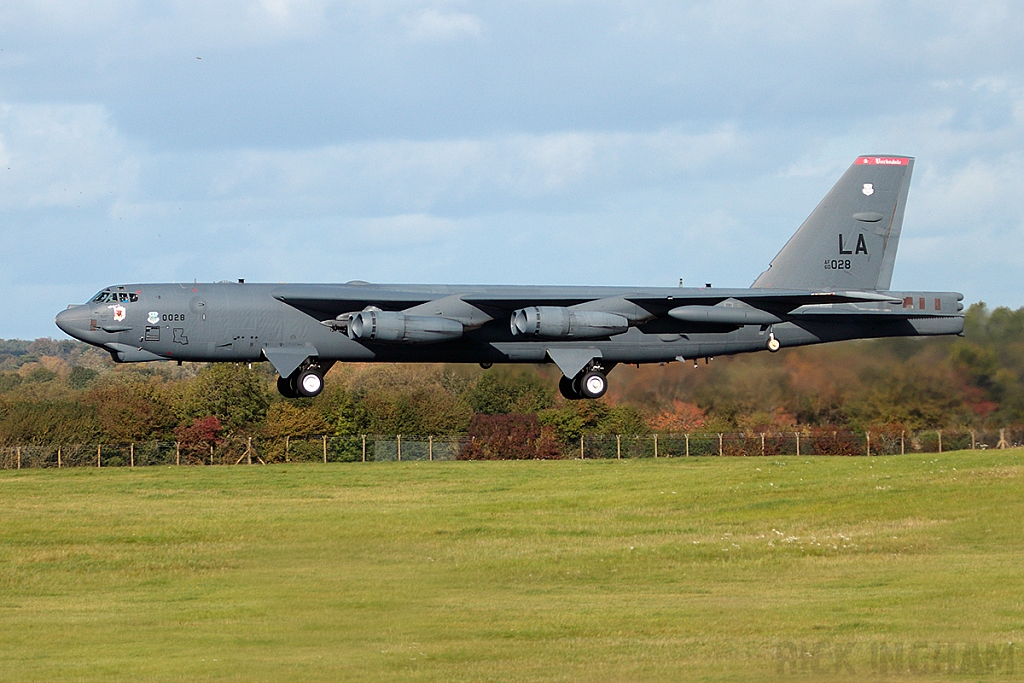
(688,569)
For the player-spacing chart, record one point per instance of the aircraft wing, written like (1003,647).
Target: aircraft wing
(330,301)
(780,301)
(321,300)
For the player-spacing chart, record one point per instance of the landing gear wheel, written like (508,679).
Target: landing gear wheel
(566,388)
(285,388)
(593,384)
(309,383)
(773,343)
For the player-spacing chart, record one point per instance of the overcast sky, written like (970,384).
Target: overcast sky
(620,143)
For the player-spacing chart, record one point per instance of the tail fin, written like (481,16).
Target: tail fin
(849,241)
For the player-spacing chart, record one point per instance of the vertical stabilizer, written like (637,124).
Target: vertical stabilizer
(849,241)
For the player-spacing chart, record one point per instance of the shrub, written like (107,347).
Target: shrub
(509,437)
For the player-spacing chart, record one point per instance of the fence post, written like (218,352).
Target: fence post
(868,435)
(211,454)
(19,457)
(364,447)
(655,444)
(248,451)
(939,431)
(99,456)
(762,443)
(177,453)
(287,447)
(687,444)
(903,446)
(325,449)
(430,448)
(972,440)
(797,435)
(582,454)
(719,444)
(399,448)
(618,447)
(131,455)
(58,457)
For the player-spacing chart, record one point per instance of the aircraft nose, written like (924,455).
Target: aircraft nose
(74,320)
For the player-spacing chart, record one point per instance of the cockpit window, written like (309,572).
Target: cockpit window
(106,296)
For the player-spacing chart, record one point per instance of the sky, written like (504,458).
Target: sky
(552,142)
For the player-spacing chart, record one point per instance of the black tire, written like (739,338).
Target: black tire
(285,388)
(593,384)
(565,387)
(309,383)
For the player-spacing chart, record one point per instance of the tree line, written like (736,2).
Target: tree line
(67,392)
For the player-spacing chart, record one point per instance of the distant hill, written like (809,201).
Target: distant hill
(15,353)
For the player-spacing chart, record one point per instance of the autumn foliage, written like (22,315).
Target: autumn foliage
(198,438)
(509,437)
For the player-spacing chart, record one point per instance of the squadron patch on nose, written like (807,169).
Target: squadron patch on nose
(868,189)
(119,312)
(154,317)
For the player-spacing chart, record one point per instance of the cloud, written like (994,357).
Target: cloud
(432,25)
(61,156)
(428,139)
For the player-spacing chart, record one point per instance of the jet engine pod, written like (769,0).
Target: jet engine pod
(557,322)
(395,326)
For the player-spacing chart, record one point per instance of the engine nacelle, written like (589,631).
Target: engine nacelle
(557,322)
(395,326)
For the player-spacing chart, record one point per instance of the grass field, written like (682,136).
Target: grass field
(687,569)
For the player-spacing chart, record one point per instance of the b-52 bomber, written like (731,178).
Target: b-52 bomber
(829,283)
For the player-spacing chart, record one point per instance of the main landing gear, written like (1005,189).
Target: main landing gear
(306,382)
(591,382)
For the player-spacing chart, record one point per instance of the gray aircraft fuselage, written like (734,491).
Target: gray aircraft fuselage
(829,283)
(238,321)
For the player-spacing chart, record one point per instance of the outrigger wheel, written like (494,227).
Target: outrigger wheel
(773,343)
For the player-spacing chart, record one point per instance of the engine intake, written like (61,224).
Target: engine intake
(557,322)
(397,327)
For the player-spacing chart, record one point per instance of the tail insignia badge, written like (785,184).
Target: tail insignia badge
(868,189)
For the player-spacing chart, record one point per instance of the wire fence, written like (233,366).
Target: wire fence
(239,450)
